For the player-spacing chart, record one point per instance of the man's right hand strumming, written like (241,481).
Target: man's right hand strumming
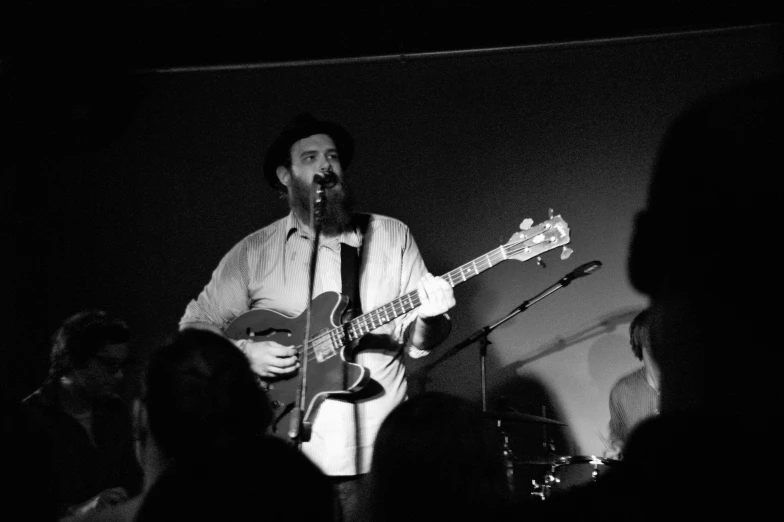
(270,359)
(267,358)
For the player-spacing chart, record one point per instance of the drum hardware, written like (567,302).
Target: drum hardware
(509,459)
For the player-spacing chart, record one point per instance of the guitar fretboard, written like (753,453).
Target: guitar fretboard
(523,246)
(368,322)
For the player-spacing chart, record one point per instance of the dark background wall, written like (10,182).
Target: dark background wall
(126,190)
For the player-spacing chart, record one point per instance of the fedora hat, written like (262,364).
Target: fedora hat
(304,125)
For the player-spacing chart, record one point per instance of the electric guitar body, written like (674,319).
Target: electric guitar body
(330,375)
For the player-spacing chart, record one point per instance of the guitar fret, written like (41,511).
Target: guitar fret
(357,329)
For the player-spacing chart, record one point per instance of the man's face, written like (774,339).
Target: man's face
(101,375)
(316,154)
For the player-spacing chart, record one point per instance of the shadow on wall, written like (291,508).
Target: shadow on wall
(601,326)
(608,360)
(526,395)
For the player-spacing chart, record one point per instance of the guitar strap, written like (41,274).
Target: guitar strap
(350,259)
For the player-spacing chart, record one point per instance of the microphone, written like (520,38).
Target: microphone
(581,271)
(327,180)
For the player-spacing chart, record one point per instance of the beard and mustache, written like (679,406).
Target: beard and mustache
(338,207)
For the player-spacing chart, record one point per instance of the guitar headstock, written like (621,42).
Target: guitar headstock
(534,240)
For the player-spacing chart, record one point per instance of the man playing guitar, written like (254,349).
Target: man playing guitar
(269,270)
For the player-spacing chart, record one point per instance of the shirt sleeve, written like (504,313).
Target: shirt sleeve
(413,270)
(618,429)
(226,295)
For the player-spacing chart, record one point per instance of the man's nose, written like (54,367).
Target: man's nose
(325,164)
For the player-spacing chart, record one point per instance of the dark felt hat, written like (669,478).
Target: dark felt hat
(302,126)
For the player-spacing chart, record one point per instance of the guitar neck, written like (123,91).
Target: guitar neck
(368,322)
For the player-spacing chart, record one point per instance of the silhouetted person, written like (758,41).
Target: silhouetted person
(201,438)
(80,413)
(202,442)
(435,459)
(700,253)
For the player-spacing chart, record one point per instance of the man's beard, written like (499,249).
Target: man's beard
(339,205)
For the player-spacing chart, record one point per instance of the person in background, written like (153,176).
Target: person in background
(634,397)
(201,429)
(78,410)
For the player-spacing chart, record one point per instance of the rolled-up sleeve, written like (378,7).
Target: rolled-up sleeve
(226,295)
(413,268)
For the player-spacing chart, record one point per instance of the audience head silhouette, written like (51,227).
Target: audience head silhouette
(205,417)
(435,459)
(200,394)
(700,251)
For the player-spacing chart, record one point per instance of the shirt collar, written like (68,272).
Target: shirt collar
(350,237)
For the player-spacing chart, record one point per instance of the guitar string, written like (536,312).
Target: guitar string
(367,322)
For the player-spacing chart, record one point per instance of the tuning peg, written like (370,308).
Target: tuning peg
(526,224)
(540,262)
(566,252)
(550,213)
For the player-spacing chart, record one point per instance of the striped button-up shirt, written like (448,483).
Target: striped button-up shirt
(632,400)
(269,270)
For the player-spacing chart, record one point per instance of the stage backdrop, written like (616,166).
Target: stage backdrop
(461,148)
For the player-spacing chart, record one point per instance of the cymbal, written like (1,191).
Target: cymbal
(520,417)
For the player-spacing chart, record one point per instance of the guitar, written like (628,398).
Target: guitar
(328,372)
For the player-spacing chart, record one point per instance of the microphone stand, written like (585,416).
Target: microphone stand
(481,334)
(298,431)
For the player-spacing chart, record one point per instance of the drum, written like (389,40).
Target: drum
(568,472)
(565,473)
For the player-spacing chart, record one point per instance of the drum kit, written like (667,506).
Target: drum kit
(549,474)
(552,473)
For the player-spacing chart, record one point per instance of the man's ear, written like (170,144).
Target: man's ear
(284,175)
